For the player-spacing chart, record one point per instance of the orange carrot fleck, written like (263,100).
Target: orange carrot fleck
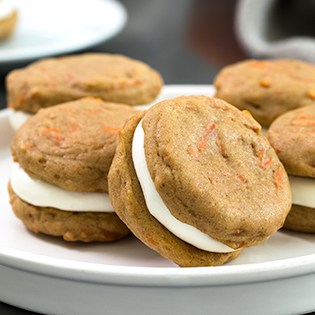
(94,111)
(110,129)
(267,164)
(219,105)
(73,127)
(311,94)
(241,179)
(279,177)
(49,130)
(191,151)
(260,153)
(264,83)
(53,135)
(247,113)
(264,161)
(203,143)
(310,131)
(304,120)
(259,64)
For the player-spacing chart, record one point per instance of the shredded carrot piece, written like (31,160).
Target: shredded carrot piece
(219,105)
(264,83)
(260,153)
(304,120)
(203,143)
(94,111)
(53,135)
(279,177)
(259,64)
(110,129)
(73,127)
(267,164)
(311,94)
(50,130)
(311,131)
(191,151)
(247,113)
(241,179)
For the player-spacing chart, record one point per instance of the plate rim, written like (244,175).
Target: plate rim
(155,276)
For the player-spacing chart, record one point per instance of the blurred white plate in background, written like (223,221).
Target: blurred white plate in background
(51,27)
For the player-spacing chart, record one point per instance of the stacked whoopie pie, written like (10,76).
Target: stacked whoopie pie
(62,157)
(63,153)
(281,93)
(293,137)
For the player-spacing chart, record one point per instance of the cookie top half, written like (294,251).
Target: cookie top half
(71,145)
(214,169)
(267,88)
(292,136)
(113,78)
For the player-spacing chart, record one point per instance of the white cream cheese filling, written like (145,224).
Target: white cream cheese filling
(303,191)
(42,194)
(18,118)
(158,209)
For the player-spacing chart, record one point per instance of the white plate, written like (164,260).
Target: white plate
(49,27)
(46,275)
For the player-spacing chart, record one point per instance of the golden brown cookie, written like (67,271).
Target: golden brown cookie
(301,219)
(113,78)
(213,170)
(292,136)
(70,146)
(267,88)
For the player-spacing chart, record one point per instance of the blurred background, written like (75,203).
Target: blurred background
(187,41)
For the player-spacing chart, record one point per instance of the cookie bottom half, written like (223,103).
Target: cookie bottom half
(71,226)
(301,219)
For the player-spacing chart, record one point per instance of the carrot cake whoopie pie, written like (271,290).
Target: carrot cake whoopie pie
(59,181)
(292,136)
(51,81)
(267,88)
(194,179)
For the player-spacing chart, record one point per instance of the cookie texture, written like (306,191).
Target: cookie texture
(72,226)
(71,145)
(292,136)
(267,88)
(301,219)
(212,168)
(113,78)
